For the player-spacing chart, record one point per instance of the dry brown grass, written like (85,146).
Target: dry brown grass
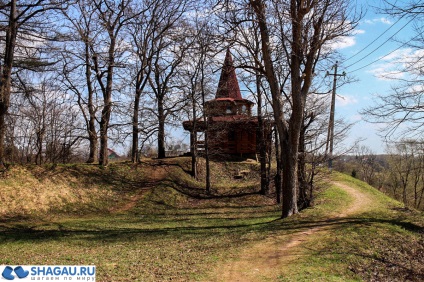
(153,222)
(29,190)
(82,188)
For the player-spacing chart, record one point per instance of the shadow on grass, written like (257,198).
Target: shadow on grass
(167,162)
(121,177)
(24,232)
(21,229)
(378,254)
(127,178)
(188,189)
(384,264)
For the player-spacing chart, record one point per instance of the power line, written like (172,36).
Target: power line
(372,42)
(382,44)
(330,137)
(388,54)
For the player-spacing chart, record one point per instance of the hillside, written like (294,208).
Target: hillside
(153,222)
(85,189)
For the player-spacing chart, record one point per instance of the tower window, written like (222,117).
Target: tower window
(244,109)
(228,110)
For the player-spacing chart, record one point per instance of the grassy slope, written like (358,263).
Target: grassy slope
(383,242)
(171,231)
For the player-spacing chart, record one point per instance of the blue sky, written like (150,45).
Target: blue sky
(354,97)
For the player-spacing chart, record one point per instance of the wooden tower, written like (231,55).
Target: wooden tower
(230,125)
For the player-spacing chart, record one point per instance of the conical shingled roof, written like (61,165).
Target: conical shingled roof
(228,86)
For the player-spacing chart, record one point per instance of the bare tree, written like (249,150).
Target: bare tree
(368,164)
(77,61)
(47,123)
(312,143)
(193,71)
(26,18)
(401,112)
(169,52)
(310,25)
(200,72)
(401,164)
(247,40)
(405,172)
(147,30)
(106,53)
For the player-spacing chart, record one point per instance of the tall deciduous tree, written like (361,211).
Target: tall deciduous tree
(147,29)
(198,70)
(169,52)
(18,19)
(77,61)
(248,44)
(52,119)
(310,24)
(106,53)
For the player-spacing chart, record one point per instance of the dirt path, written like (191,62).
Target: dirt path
(360,203)
(157,174)
(262,261)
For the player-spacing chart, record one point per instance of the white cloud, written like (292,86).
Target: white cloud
(417,88)
(345,100)
(379,20)
(386,21)
(343,42)
(394,65)
(398,54)
(358,31)
(383,72)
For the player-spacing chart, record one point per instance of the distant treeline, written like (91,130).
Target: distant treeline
(399,173)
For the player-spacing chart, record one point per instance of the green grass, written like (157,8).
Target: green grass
(170,235)
(382,242)
(166,235)
(143,247)
(331,201)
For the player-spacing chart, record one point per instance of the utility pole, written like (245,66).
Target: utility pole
(330,135)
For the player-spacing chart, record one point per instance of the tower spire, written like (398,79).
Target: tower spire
(228,86)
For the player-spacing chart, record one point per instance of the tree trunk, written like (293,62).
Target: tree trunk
(206,121)
(3,113)
(404,194)
(278,174)
(161,130)
(193,152)
(288,134)
(92,132)
(6,77)
(92,137)
(104,125)
(135,155)
(39,155)
(193,135)
(289,189)
(106,113)
(208,169)
(107,99)
(289,152)
(193,138)
(304,199)
(261,140)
